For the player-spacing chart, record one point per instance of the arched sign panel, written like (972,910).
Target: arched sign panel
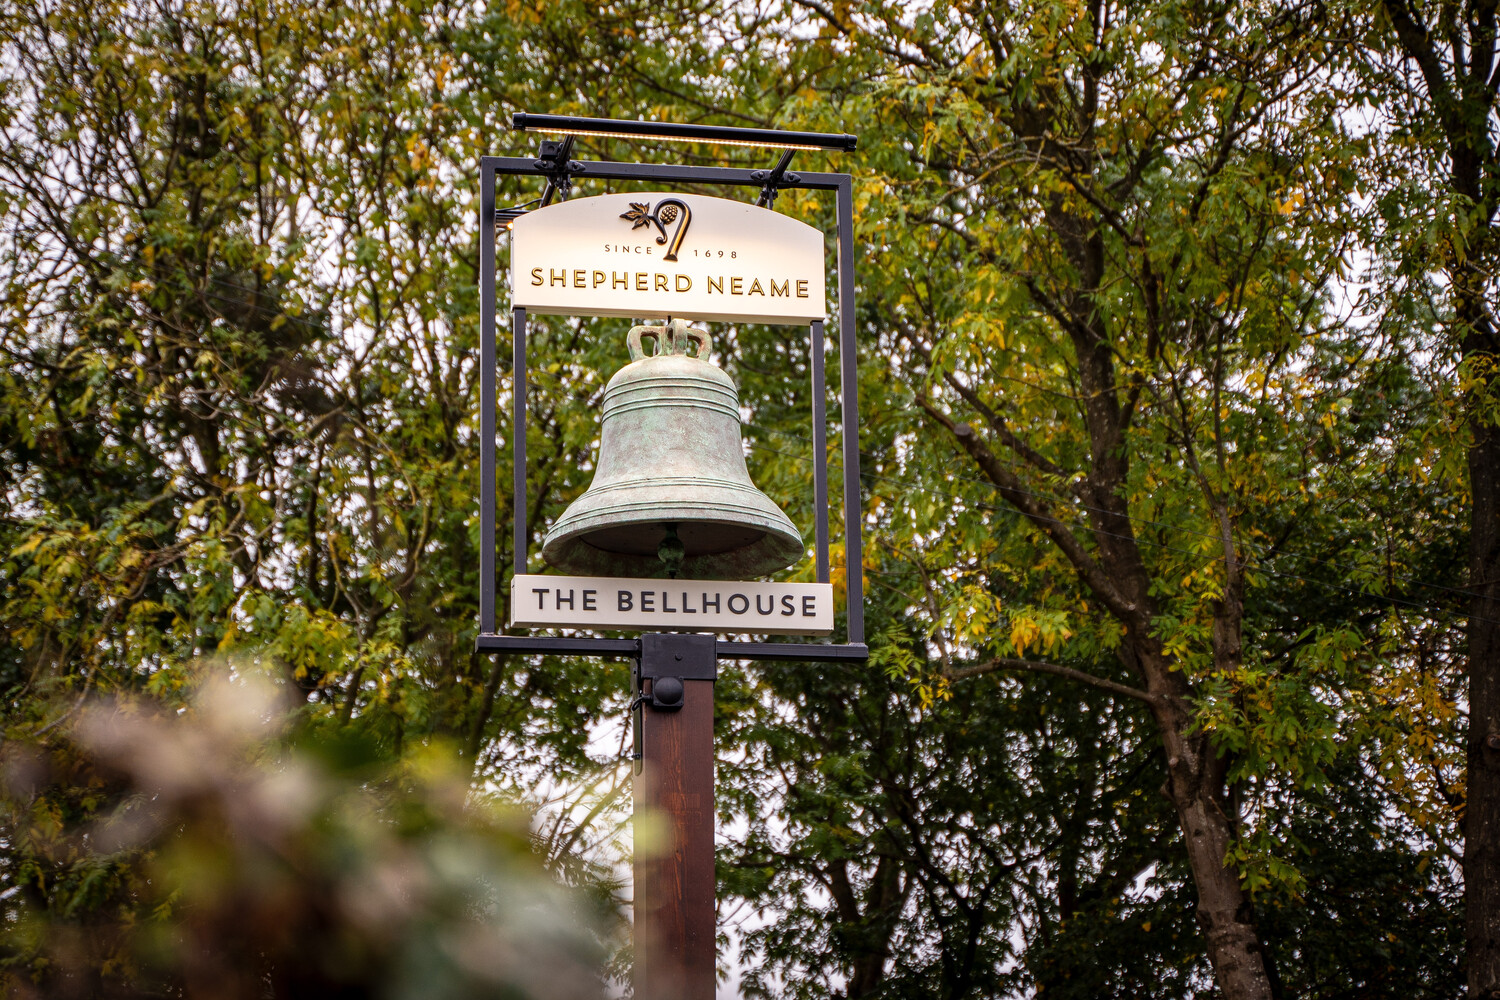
(655,255)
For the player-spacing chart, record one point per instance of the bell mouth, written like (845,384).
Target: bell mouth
(712,550)
(699,538)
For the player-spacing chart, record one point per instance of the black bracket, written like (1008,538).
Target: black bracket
(668,659)
(773,180)
(505,216)
(553,162)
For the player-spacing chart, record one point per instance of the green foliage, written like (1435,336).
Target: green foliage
(1373,917)
(237,418)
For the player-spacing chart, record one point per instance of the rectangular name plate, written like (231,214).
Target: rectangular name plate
(671,605)
(652,255)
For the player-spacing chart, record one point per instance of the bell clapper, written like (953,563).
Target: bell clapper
(671,551)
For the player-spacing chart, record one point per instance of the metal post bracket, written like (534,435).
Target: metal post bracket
(554,161)
(668,659)
(774,179)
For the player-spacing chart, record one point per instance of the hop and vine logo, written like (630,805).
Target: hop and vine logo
(666,212)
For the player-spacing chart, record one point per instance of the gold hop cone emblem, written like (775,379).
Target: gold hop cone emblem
(666,213)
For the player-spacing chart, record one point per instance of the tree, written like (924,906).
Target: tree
(238,330)
(1435,66)
(1147,501)
(1112,281)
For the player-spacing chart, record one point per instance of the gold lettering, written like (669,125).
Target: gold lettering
(598,277)
(780,290)
(578,281)
(802,288)
(536,276)
(557,278)
(640,281)
(736,286)
(661,283)
(684,283)
(755,288)
(619,279)
(716,285)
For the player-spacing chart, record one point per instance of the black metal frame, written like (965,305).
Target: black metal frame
(562,174)
(526,121)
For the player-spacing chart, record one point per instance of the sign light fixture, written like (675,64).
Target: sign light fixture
(615,128)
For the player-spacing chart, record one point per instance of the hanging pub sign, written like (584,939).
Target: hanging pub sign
(658,255)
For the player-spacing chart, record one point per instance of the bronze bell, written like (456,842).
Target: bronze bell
(671,495)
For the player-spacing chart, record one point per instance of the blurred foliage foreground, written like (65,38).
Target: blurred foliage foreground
(232,849)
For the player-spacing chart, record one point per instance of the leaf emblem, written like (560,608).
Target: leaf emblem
(639,214)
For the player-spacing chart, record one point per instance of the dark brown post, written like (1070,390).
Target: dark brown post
(674,819)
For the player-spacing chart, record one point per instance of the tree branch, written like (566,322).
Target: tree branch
(1042,667)
(1003,430)
(1015,493)
(1416,42)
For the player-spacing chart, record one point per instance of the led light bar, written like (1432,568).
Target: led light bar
(615,128)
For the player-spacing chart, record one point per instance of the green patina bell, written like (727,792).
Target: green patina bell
(671,495)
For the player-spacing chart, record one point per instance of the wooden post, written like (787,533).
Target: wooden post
(674,820)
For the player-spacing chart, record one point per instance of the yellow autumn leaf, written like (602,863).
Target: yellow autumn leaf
(1023,632)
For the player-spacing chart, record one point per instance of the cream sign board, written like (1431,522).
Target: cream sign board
(671,605)
(657,255)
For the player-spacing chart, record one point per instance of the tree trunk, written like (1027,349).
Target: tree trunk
(1119,579)
(1481,820)
(1194,784)
(1461,96)
(1482,812)
(1480,348)
(866,932)
(1196,774)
